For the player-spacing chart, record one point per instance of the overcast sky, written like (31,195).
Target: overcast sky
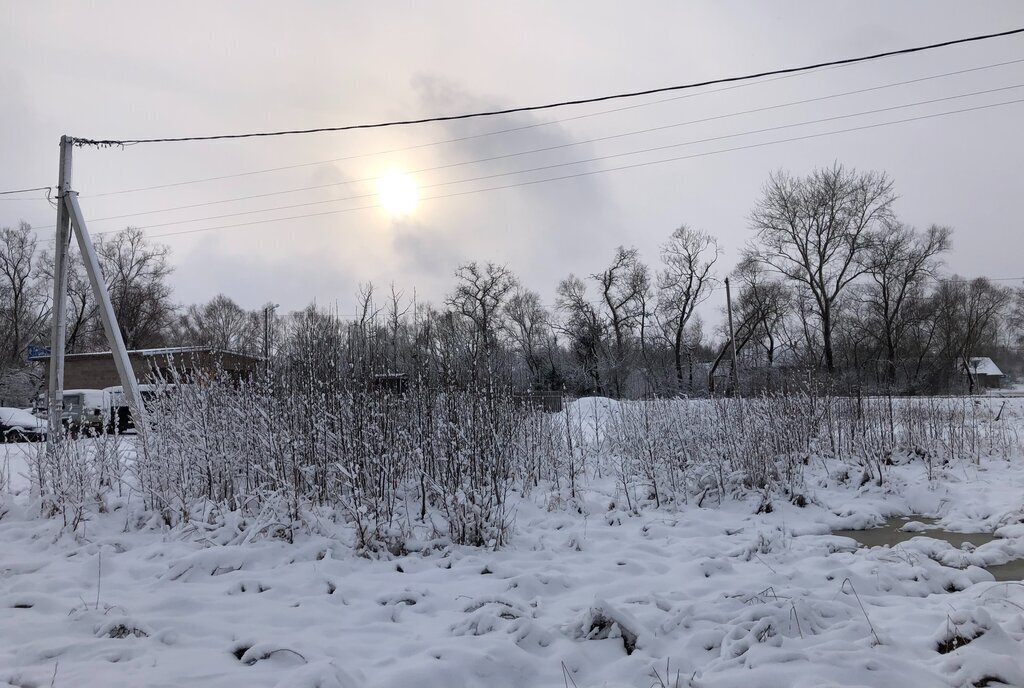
(135,70)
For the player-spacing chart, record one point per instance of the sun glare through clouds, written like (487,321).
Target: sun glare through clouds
(397,192)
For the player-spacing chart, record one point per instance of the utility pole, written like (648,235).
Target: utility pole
(267,310)
(732,340)
(55,401)
(70,213)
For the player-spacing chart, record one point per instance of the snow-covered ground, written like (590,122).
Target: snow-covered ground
(586,594)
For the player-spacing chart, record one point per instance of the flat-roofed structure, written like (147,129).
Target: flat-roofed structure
(96,370)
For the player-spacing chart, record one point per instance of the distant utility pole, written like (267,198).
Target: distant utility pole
(69,216)
(732,340)
(266,332)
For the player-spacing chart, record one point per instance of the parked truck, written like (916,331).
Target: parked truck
(84,411)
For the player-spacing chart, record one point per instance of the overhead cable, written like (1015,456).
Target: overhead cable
(595,172)
(520,171)
(496,132)
(547,106)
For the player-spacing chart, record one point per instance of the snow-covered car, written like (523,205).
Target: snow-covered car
(18,425)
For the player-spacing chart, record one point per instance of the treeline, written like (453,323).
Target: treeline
(831,284)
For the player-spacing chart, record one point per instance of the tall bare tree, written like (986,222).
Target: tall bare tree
(584,329)
(623,286)
(899,262)
(815,231)
(24,306)
(970,316)
(136,271)
(479,297)
(762,305)
(684,283)
(223,324)
(84,329)
(398,308)
(529,325)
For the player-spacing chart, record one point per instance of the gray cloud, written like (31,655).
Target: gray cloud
(125,68)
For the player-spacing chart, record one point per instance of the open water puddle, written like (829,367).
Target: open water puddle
(1008,572)
(890,533)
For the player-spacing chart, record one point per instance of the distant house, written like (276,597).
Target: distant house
(97,370)
(541,400)
(984,371)
(392,383)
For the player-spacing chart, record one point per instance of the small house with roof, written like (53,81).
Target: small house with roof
(983,371)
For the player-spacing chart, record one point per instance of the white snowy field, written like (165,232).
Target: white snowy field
(586,593)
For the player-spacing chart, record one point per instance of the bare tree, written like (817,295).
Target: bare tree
(684,283)
(968,313)
(83,328)
(623,286)
(1015,322)
(529,326)
(222,324)
(479,296)
(136,272)
(583,327)
(815,231)
(24,306)
(762,306)
(898,262)
(398,308)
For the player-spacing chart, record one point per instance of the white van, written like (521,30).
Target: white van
(84,410)
(119,416)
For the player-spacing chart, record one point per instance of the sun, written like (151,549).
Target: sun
(397,192)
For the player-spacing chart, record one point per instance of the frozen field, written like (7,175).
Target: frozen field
(586,594)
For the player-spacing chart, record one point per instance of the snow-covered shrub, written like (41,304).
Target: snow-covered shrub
(74,476)
(433,464)
(264,457)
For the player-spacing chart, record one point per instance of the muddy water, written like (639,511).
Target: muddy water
(890,534)
(1008,572)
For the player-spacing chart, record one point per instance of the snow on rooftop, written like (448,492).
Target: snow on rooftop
(983,365)
(148,353)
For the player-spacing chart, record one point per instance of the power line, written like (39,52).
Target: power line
(516,129)
(556,147)
(17,191)
(523,171)
(592,172)
(565,103)
(458,139)
(568,176)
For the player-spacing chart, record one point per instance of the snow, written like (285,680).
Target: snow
(90,397)
(586,594)
(983,365)
(19,418)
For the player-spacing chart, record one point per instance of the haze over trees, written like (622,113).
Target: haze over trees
(832,285)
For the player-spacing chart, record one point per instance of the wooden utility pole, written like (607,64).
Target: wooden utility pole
(70,213)
(732,340)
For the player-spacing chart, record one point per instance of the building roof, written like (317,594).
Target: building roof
(149,353)
(983,365)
